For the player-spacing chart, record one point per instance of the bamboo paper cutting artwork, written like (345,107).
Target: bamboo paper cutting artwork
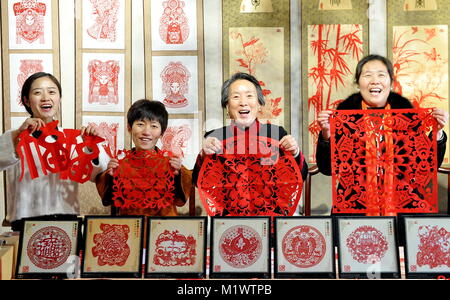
(420,61)
(384,162)
(30,24)
(259,51)
(174,24)
(103,24)
(333,52)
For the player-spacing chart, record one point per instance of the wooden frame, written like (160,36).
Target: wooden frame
(250,236)
(367,247)
(112,247)
(316,261)
(49,247)
(426,246)
(176,247)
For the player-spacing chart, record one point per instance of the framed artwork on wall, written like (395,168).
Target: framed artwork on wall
(426,247)
(113,246)
(176,247)
(367,247)
(239,247)
(304,247)
(49,248)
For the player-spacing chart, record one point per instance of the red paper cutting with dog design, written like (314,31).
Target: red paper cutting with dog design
(384,162)
(58,152)
(144,179)
(263,180)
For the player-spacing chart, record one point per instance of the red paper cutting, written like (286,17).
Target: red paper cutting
(144,179)
(434,247)
(111,246)
(367,245)
(240,246)
(174,249)
(383,161)
(263,180)
(58,152)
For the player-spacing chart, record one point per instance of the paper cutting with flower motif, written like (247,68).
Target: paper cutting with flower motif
(384,162)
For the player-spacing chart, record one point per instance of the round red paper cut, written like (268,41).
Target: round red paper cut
(252,177)
(49,247)
(111,246)
(240,246)
(367,245)
(304,246)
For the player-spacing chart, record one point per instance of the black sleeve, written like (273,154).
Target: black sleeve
(323,155)
(441,147)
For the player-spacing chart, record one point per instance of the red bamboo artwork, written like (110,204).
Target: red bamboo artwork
(334,51)
(251,55)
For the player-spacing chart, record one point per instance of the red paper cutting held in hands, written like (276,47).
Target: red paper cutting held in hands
(144,179)
(384,162)
(63,152)
(260,180)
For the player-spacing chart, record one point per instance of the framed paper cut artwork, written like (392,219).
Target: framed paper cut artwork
(113,246)
(367,247)
(49,248)
(304,247)
(111,128)
(427,250)
(259,51)
(103,76)
(173,24)
(239,247)
(30,24)
(104,24)
(176,247)
(181,138)
(21,66)
(175,83)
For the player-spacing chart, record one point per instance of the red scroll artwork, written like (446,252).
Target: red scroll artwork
(263,180)
(63,152)
(144,179)
(384,162)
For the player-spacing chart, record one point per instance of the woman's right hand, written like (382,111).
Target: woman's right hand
(324,121)
(211,145)
(112,166)
(30,124)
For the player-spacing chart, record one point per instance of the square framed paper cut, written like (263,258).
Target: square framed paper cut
(367,247)
(113,246)
(240,247)
(176,247)
(49,248)
(304,247)
(427,250)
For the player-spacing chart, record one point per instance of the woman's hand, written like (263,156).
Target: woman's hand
(112,166)
(289,144)
(30,124)
(324,121)
(89,130)
(175,163)
(211,145)
(441,117)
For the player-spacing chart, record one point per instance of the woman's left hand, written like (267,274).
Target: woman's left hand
(289,144)
(89,130)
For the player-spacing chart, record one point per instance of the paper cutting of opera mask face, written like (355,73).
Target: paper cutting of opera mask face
(105,13)
(27,68)
(175,84)
(29,21)
(103,81)
(174,27)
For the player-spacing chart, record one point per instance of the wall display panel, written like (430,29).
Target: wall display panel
(337,34)
(174,25)
(418,48)
(103,24)
(259,43)
(259,51)
(175,83)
